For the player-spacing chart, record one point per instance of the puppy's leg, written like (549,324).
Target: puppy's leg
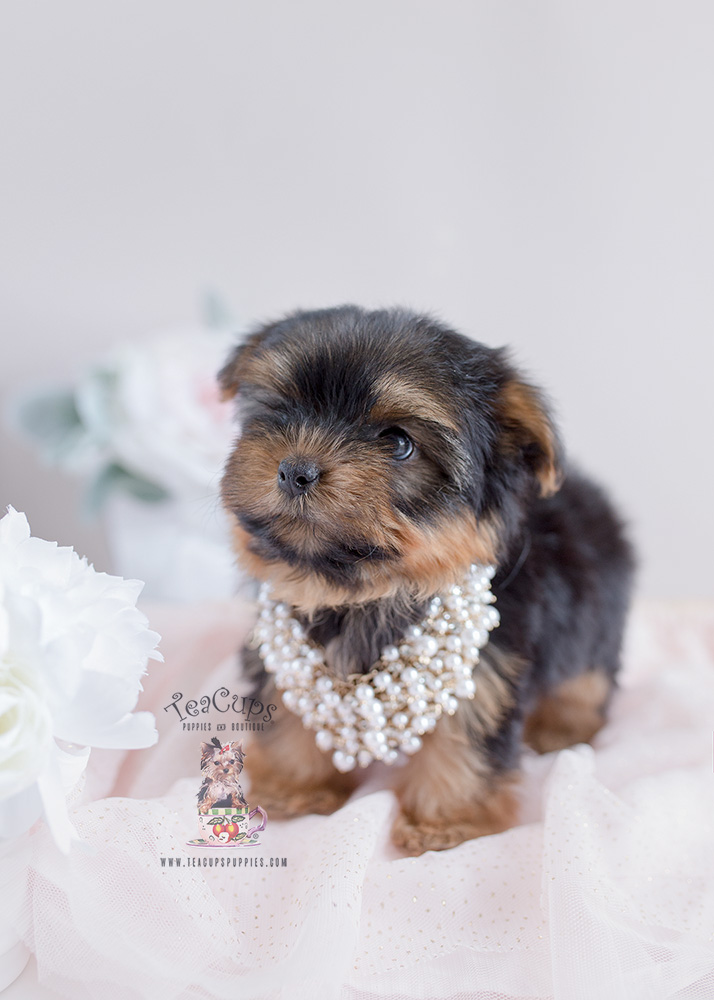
(289,776)
(208,801)
(448,793)
(571,713)
(461,784)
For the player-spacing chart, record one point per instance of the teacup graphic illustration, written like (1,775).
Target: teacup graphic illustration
(224,816)
(231,826)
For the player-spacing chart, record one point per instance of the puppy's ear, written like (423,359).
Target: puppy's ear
(528,431)
(230,375)
(206,753)
(233,373)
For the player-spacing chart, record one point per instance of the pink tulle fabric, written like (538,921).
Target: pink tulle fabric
(605,891)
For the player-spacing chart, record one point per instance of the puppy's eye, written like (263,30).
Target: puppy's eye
(402,444)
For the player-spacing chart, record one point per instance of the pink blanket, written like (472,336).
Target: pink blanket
(605,890)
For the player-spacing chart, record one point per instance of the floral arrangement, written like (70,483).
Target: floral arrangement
(146,429)
(146,420)
(73,649)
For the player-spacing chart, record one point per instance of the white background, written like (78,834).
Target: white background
(538,174)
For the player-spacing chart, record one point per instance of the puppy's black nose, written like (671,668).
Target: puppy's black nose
(296,478)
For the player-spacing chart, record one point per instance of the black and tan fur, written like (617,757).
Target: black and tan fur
(359,555)
(221,765)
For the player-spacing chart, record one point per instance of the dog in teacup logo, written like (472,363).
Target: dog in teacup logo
(224,816)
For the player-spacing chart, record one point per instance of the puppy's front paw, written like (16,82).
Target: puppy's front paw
(288,803)
(416,837)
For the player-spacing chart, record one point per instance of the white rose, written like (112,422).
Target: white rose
(157,410)
(73,649)
(25,728)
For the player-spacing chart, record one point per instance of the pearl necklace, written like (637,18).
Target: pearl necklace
(373,716)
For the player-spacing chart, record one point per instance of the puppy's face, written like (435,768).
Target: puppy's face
(380,452)
(222,763)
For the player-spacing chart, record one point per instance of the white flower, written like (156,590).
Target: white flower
(155,409)
(73,648)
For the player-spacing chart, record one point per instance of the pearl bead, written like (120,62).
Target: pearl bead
(453,661)
(364,692)
(364,758)
(400,720)
(411,744)
(324,740)
(429,646)
(466,688)
(343,761)
(390,654)
(323,684)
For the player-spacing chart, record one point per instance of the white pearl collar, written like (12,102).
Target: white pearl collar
(376,715)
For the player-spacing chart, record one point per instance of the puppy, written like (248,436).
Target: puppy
(221,765)
(382,454)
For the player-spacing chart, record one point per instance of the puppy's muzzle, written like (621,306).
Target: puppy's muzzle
(296,477)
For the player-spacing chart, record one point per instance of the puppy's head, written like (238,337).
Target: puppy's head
(380,453)
(222,762)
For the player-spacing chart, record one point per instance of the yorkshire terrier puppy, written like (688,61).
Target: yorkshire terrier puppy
(221,764)
(381,455)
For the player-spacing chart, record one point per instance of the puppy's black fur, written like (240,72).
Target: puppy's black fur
(487,472)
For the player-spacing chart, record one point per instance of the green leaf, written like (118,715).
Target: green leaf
(52,421)
(215,311)
(115,478)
